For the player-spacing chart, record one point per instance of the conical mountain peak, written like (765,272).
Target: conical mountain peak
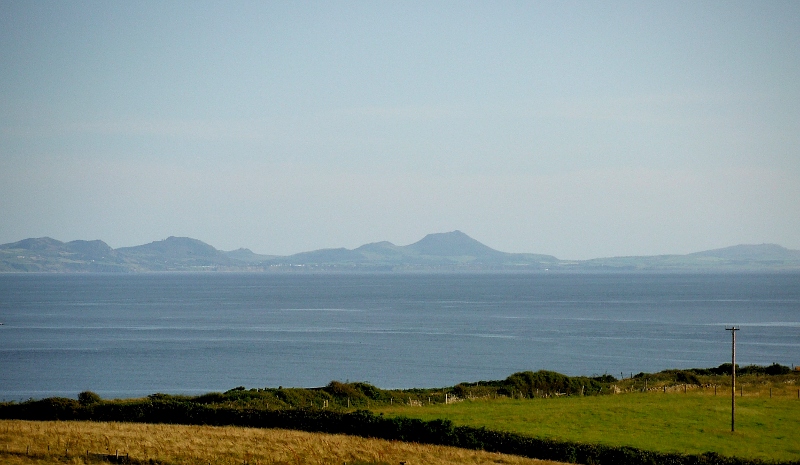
(451,244)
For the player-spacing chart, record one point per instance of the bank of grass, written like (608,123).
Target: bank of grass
(51,442)
(693,422)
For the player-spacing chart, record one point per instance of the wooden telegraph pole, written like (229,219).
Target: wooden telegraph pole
(733,330)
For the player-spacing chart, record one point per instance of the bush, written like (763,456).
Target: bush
(298,397)
(686,377)
(725,369)
(88,398)
(370,391)
(343,391)
(528,383)
(776,369)
(211,398)
(52,408)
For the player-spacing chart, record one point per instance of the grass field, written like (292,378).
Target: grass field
(692,422)
(203,445)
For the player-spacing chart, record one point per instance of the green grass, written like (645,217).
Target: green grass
(672,422)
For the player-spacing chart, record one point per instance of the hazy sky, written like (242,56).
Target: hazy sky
(577,129)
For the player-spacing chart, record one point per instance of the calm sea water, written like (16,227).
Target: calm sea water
(132,335)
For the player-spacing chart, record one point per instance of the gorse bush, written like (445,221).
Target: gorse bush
(211,398)
(52,408)
(725,369)
(542,382)
(772,370)
(690,376)
(686,377)
(88,398)
(672,376)
(370,391)
(604,379)
(341,390)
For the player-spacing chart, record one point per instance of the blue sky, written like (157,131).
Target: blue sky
(577,129)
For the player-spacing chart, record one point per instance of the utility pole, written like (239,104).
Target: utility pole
(733,330)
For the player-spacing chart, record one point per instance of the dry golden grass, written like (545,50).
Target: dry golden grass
(69,441)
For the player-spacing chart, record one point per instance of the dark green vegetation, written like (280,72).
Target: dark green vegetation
(348,396)
(535,414)
(453,251)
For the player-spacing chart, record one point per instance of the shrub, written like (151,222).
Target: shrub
(343,391)
(370,391)
(606,378)
(686,377)
(211,398)
(724,369)
(52,408)
(88,398)
(528,383)
(776,369)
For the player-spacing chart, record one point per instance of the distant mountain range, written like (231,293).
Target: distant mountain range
(452,251)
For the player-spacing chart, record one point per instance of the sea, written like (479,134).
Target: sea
(131,335)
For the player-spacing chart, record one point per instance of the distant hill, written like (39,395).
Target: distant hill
(763,257)
(450,251)
(247,256)
(452,244)
(441,251)
(172,254)
(176,253)
(49,255)
(759,253)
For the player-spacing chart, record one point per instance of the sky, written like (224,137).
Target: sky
(575,129)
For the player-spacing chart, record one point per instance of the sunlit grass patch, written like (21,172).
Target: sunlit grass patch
(176,444)
(692,423)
